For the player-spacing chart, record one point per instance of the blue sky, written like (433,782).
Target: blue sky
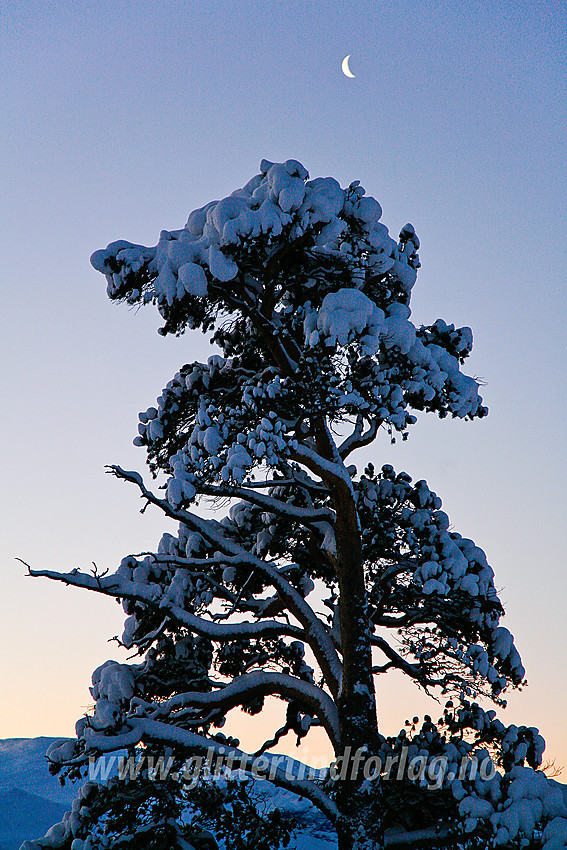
(120,118)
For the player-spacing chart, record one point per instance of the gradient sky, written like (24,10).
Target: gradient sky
(118,119)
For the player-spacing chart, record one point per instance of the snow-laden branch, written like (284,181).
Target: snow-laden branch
(359,437)
(192,566)
(285,482)
(120,588)
(271,504)
(330,472)
(210,529)
(156,732)
(316,634)
(255,684)
(328,463)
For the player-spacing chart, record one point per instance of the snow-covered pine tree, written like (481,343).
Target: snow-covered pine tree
(317,580)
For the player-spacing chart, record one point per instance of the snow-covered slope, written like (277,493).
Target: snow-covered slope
(31,800)
(24,815)
(23,766)
(315,832)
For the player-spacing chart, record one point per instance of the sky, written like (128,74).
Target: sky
(118,119)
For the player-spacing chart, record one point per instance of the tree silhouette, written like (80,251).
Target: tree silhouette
(317,580)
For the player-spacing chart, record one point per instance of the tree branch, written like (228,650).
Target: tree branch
(254,684)
(121,589)
(412,670)
(315,630)
(152,731)
(271,504)
(359,438)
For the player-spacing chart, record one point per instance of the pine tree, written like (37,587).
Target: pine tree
(316,580)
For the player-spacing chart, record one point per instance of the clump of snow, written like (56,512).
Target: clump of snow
(531,797)
(193,279)
(281,199)
(113,686)
(399,332)
(61,751)
(349,314)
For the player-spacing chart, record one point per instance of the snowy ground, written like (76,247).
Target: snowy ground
(31,800)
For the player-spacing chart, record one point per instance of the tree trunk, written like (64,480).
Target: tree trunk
(358,799)
(360,827)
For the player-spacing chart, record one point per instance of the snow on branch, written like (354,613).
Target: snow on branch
(260,684)
(270,503)
(315,630)
(146,730)
(359,437)
(119,588)
(329,471)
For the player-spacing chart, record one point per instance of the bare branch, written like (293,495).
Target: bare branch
(414,670)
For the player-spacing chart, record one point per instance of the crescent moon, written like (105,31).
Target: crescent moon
(345,68)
